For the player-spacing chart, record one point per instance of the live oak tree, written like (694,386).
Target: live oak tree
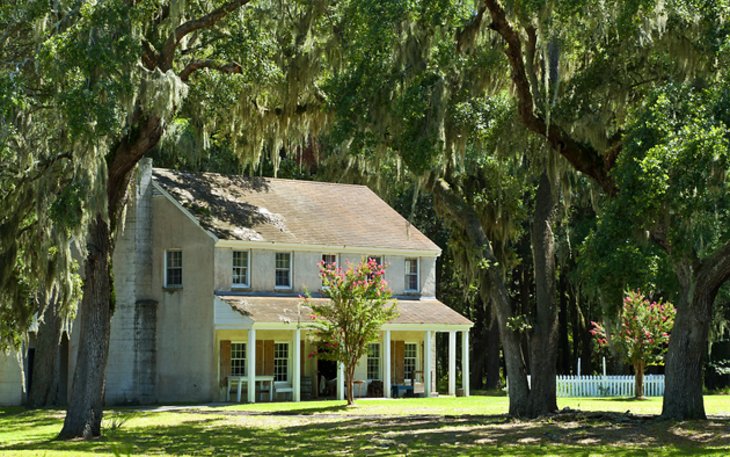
(577,69)
(359,304)
(109,79)
(407,90)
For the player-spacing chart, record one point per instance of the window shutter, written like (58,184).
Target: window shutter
(268,358)
(225,361)
(399,357)
(259,357)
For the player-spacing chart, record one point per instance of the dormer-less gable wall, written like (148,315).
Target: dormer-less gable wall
(305,270)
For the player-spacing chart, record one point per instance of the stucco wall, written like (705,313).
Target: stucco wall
(305,270)
(11,383)
(185,355)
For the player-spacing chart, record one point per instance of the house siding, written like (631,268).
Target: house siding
(185,352)
(11,381)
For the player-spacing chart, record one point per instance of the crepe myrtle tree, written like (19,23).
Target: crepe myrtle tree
(360,302)
(642,334)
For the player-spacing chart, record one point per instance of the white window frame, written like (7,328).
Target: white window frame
(409,274)
(245,364)
(164,262)
(291,271)
(379,358)
(247,284)
(415,359)
(288,361)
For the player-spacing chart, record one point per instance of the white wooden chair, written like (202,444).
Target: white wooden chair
(283,388)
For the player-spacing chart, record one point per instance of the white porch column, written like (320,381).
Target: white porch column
(297,370)
(340,381)
(386,364)
(251,365)
(465,379)
(427,363)
(452,363)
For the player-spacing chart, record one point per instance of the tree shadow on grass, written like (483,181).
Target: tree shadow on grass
(471,435)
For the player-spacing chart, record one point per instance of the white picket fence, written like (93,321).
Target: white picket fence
(606,386)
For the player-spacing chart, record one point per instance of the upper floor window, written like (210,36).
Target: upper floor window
(173,268)
(329,259)
(411,275)
(240,268)
(238,359)
(283,270)
(377,258)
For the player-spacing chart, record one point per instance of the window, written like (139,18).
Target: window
(378,259)
(412,274)
(283,270)
(281,362)
(173,268)
(374,361)
(329,259)
(238,359)
(409,360)
(240,268)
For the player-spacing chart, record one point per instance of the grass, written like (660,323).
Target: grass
(443,426)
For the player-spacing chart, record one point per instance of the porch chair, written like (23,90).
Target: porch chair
(284,388)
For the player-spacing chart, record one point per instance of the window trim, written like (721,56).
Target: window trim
(246,285)
(288,361)
(291,271)
(245,358)
(406,287)
(165,282)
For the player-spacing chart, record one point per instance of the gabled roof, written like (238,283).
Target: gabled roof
(272,309)
(290,211)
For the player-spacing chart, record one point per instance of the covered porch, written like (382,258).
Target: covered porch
(267,351)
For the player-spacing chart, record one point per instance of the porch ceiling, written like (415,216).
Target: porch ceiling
(267,309)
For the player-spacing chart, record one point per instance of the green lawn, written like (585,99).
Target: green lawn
(439,426)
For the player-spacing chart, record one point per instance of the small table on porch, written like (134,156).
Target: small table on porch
(240,380)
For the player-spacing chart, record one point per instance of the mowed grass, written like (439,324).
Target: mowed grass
(439,426)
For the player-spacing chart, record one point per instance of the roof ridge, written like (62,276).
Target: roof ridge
(232,175)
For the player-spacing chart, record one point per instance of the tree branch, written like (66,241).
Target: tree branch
(203,22)
(196,65)
(583,158)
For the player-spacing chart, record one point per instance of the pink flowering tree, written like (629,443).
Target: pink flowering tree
(359,304)
(642,336)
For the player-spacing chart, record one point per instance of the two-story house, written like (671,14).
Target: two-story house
(209,270)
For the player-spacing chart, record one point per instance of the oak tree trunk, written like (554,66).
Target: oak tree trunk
(84,413)
(685,358)
(83,418)
(46,362)
(544,336)
(492,288)
(493,347)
